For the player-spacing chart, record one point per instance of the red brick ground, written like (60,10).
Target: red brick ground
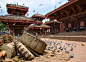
(79,51)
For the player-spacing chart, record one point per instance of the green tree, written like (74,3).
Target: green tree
(46,21)
(1,25)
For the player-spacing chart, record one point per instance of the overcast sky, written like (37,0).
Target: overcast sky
(48,5)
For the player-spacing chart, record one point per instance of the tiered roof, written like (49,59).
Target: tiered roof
(18,6)
(38,15)
(53,21)
(33,26)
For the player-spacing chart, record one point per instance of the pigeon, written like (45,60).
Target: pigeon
(49,48)
(58,50)
(53,51)
(65,48)
(71,48)
(67,51)
(57,44)
(61,48)
(54,43)
(40,4)
(82,44)
(71,56)
(61,41)
(33,10)
(52,47)
(75,46)
(68,45)
(60,2)
(65,43)
(55,47)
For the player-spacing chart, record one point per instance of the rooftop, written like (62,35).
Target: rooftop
(15,17)
(19,6)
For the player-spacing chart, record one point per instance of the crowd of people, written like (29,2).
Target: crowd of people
(82,28)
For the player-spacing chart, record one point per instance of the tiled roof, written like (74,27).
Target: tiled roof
(18,6)
(38,15)
(14,17)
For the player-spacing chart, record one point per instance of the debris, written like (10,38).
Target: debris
(7,38)
(10,49)
(29,40)
(24,51)
(1,42)
(8,60)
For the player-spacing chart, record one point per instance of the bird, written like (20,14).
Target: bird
(57,44)
(60,2)
(65,43)
(65,48)
(58,50)
(68,45)
(55,47)
(54,43)
(40,4)
(72,55)
(75,46)
(67,51)
(71,48)
(61,41)
(53,51)
(52,47)
(82,44)
(61,48)
(49,48)
(33,10)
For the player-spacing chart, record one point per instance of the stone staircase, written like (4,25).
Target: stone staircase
(83,33)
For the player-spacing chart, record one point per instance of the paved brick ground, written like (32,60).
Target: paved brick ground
(79,51)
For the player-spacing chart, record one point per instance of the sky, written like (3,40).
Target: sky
(48,6)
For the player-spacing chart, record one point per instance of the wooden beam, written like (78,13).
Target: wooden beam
(79,7)
(73,9)
(66,12)
(62,13)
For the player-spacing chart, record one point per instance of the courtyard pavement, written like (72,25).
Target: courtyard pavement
(79,51)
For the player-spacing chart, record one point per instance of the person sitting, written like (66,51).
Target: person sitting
(70,29)
(67,29)
(83,28)
(74,29)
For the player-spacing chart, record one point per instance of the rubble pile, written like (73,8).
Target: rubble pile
(7,38)
(32,48)
(27,47)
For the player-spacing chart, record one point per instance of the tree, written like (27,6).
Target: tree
(46,21)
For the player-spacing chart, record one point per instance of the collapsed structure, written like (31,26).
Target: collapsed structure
(28,45)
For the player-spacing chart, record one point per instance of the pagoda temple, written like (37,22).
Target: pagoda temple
(38,26)
(71,15)
(16,20)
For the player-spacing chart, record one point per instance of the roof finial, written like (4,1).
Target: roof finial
(55,6)
(37,12)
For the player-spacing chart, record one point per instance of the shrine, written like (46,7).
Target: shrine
(71,15)
(16,20)
(38,26)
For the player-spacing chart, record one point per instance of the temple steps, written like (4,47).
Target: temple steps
(72,36)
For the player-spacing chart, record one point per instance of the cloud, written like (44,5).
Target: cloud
(47,6)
